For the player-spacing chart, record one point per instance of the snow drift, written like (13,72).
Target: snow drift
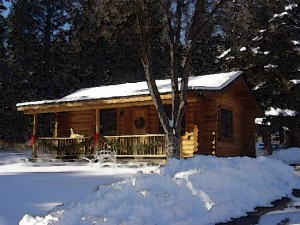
(202,190)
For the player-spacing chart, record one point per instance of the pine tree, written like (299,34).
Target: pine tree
(5,80)
(37,43)
(104,44)
(2,36)
(261,38)
(34,30)
(88,53)
(3,27)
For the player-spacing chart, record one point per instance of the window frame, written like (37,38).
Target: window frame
(226,124)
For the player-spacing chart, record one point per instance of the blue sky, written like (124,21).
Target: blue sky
(7,5)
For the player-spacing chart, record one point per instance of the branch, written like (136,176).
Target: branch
(199,12)
(2,7)
(192,44)
(195,35)
(173,41)
(176,61)
(150,79)
(178,26)
(190,48)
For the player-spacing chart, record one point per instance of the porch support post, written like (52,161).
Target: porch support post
(55,125)
(97,131)
(34,131)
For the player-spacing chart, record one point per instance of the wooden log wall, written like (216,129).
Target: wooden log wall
(248,133)
(208,125)
(122,114)
(194,117)
(82,122)
(193,111)
(189,143)
(229,147)
(243,128)
(153,120)
(125,120)
(205,114)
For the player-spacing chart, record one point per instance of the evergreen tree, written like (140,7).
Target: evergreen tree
(5,80)
(35,29)
(260,38)
(37,43)
(3,27)
(2,36)
(88,47)
(104,44)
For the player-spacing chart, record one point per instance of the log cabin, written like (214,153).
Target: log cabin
(219,119)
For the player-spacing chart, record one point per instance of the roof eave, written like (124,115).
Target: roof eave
(89,104)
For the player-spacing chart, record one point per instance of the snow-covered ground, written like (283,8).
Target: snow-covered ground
(202,190)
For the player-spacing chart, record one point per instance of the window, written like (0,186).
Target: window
(226,124)
(108,120)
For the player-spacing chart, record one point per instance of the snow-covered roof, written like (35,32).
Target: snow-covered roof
(204,82)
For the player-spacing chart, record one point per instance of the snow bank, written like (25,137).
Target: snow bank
(10,157)
(202,190)
(289,156)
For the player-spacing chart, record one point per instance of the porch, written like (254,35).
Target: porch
(129,132)
(124,146)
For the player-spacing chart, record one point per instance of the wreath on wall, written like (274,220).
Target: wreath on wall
(139,122)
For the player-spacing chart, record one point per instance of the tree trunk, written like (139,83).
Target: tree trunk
(173,145)
(286,138)
(266,136)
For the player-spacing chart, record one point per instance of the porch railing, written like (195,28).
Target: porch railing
(149,145)
(64,146)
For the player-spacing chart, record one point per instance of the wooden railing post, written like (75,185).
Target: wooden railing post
(55,125)
(97,131)
(34,131)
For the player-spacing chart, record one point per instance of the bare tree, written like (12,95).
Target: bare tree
(182,22)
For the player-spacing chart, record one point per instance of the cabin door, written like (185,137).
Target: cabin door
(139,120)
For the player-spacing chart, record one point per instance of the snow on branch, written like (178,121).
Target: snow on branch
(285,13)
(269,66)
(224,54)
(291,6)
